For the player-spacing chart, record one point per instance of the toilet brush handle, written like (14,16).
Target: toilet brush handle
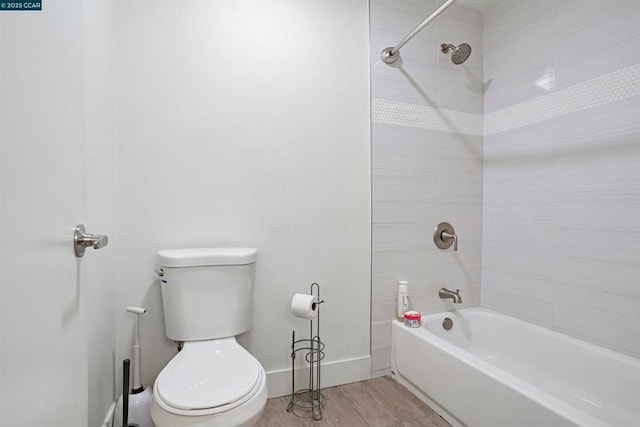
(125,393)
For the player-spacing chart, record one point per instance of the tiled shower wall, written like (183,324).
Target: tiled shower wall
(561,244)
(427,162)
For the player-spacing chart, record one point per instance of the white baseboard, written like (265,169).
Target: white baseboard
(108,419)
(333,373)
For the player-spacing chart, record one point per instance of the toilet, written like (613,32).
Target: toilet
(207,297)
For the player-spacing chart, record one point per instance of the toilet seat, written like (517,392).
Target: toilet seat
(208,377)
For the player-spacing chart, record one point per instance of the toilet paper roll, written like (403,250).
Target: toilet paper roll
(304,306)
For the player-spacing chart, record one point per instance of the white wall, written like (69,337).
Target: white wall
(426,160)
(247,124)
(57,167)
(561,238)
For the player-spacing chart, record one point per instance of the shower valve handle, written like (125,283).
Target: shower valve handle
(444,236)
(447,236)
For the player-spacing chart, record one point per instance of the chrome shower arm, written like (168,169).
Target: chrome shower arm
(390,54)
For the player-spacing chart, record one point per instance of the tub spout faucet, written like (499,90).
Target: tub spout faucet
(446,293)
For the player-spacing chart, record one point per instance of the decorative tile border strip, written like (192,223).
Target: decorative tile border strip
(611,87)
(614,86)
(391,112)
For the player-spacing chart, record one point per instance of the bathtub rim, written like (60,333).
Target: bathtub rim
(546,331)
(548,401)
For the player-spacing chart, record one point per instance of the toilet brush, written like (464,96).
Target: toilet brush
(138,403)
(125,389)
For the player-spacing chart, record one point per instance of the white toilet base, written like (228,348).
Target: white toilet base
(246,415)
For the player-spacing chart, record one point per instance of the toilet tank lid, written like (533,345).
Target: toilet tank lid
(196,257)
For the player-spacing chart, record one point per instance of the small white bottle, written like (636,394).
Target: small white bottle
(403,297)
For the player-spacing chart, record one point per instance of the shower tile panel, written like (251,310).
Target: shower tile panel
(524,308)
(520,261)
(406,137)
(597,301)
(405,161)
(531,79)
(520,149)
(594,180)
(471,254)
(461,211)
(577,15)
(401,235)
(533,234)
(529,42)
(620,209)
(515,19)
(420,277)
(614,246)
(524,61)
(460,179)
(460,90)
(427,132)
(521,198)
(601,125)
(562,168)
(616,147)
(402,260)
(518,285)
(460,146)
(401,211)
(463,17)
(625,54)
(601,330)
(591,28)
(535,206)
(620,280)
(383,308)
(380,334)
(446,144)
(407,91)
(380,361)
(405,187)
(452,275)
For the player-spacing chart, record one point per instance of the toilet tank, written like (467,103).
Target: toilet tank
(207,293)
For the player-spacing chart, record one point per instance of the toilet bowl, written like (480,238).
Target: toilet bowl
(214,383)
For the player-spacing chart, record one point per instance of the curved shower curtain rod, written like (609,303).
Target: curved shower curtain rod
(390,55)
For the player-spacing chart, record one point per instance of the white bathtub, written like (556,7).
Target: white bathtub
(493,370)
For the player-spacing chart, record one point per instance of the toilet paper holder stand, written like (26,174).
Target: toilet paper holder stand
(308,402)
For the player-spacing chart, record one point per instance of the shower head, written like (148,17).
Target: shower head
(460,53)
